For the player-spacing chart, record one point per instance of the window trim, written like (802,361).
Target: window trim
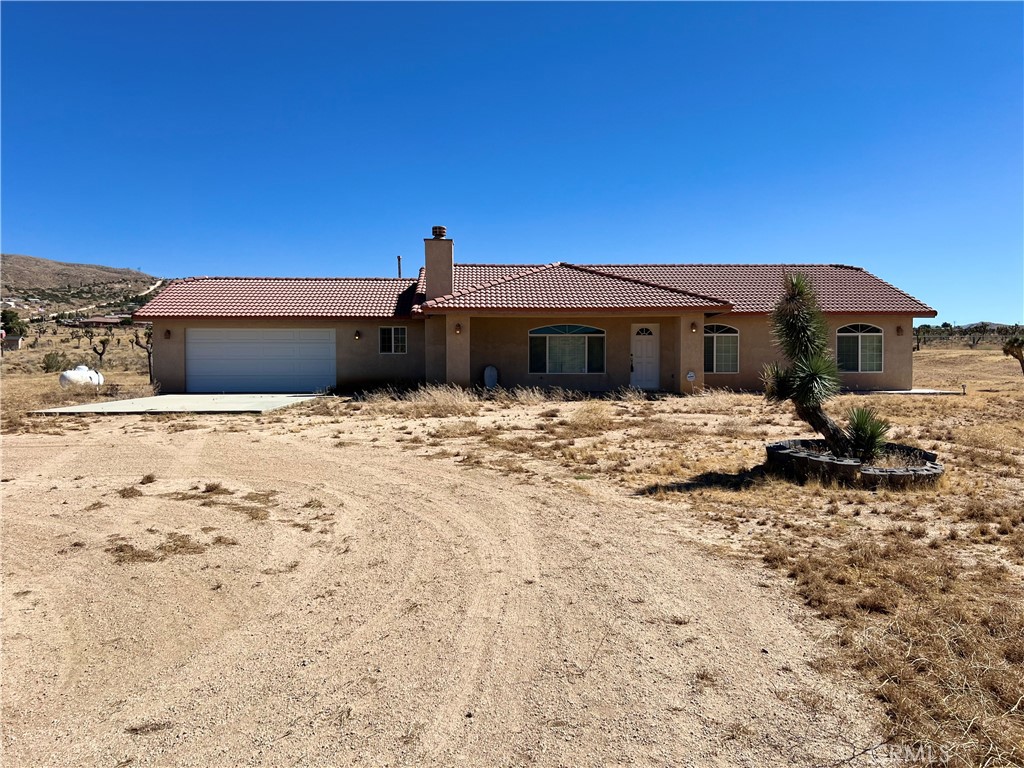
(392,328)
(859,334)
(729,331)
(585,332)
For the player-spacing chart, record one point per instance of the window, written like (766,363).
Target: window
(392,340)
(567,349)
(721,349)
(859,348)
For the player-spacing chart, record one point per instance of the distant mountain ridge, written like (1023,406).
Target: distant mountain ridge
(38,287)
(24,273)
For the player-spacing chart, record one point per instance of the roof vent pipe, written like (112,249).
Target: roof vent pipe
(399,265)
(439,233)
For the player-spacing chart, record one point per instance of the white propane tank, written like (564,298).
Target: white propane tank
(83,374)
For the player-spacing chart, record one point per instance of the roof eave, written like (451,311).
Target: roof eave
(285,315)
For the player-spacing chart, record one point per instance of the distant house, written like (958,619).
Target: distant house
(100,322)
(673,327)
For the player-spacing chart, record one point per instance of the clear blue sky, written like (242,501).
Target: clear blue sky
(325,138)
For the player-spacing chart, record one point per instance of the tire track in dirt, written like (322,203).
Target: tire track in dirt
(435,591)
(504,559)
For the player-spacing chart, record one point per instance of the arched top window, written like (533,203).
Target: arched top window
(567,349)
(567,330)
(644,332)
(721,349)
(859,328)
(859,348)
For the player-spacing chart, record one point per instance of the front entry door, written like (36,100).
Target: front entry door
(643,357)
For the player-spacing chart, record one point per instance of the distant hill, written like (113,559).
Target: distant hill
(20,273)
(40,286)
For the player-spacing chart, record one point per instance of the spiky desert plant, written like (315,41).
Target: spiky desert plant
(867,433)
(1014,347)
(812,376)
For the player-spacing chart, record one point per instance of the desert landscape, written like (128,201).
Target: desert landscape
(450,578)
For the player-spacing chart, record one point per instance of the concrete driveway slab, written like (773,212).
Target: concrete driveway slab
(187,404)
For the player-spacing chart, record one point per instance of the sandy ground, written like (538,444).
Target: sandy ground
(391,609)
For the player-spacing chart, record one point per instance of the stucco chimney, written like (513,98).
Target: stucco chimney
(439,255)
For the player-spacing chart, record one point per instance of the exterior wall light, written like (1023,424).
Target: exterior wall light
(693,327)
(899,330)
(357,335)
(167,333)
(458,328)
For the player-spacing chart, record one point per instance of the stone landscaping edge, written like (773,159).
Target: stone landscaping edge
(806,459)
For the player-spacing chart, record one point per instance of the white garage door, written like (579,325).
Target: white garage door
(259,360)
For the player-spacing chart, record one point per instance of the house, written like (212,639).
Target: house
(673,327)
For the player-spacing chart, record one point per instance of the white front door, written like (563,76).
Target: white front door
(643,357)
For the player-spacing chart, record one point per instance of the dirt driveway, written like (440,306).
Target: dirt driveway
(270,598)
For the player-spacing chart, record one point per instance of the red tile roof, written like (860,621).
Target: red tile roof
(565,287)
(757,287)
(748,287)
(739,288)
(283,297)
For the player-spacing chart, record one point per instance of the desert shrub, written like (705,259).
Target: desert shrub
(56,361)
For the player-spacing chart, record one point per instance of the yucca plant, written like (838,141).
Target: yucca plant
(867,433)
(812,376)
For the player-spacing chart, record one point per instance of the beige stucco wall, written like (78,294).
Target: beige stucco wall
(436,349)
(436,353)
(504,343)
(359,363)
(757,349)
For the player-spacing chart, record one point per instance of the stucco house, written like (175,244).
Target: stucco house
(673,327)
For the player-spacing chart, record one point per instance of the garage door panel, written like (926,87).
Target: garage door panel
(260,360)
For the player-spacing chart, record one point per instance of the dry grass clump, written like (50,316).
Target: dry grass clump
(174,543)
(27,392)
(430,400)
(125,553)
(129,492)
(718,401)
(180,544)
(593,417)
(527,396)
(324,405)
(943,642)
(444,400)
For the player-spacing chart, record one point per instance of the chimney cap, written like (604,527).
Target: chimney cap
(439,232)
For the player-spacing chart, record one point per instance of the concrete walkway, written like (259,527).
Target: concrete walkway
(902,392)
(187,404)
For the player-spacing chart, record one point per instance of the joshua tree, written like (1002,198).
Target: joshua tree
(148,346)
(1014,347)
(101,349)
(812,376)
(975,334)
